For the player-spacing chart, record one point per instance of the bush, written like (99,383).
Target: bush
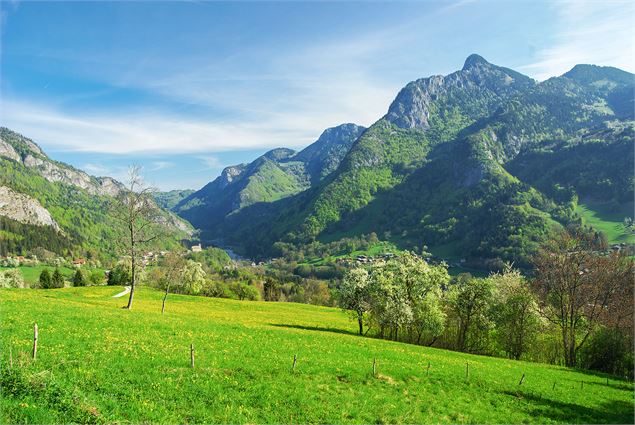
(12,278)
(245,291)
(608,350)
(79,279)
(96,277)
(45,279)
(217,289)
(57,280)
(120,275)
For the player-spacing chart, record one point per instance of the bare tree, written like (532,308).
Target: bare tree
(172,266)
(580,287)
(135,208)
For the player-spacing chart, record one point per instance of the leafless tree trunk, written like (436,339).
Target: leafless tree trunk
(135,207)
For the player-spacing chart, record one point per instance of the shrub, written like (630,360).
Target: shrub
(244,291)
(12,278)
(120,275)
(608,351)
(79,279)
(217,289)
(96,277)
(57,280)
(45,279)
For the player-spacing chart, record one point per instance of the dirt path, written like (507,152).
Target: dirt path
(121,294)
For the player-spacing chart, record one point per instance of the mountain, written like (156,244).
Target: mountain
(482,164)
(278,174)
(50,205)
(171,198)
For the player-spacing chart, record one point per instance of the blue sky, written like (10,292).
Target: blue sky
(186,88)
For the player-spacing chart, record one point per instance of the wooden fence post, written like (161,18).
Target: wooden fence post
(35,335)
(428,369)
(295,360)
(522,378)
(11,359)
(467,370)
(192,355)
(374,366)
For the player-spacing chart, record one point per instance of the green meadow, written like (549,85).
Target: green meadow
(99,363)
(31,274)
(608,221)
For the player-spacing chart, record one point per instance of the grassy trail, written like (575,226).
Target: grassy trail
(100,363)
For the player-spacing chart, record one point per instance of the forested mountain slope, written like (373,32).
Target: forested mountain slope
(277,174)
(50,205)
(470,164)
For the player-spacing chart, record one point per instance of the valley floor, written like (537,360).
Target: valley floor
(99,363)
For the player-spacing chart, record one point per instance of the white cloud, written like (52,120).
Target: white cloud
(96,169)
(161,165)
(145,133)
(599,33)
(210,162)
(293,96)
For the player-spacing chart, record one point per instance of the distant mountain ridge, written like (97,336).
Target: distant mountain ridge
(446,167)
(277,174)
(21,149)
(50,205)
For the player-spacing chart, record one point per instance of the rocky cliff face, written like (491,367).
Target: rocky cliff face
(477,89)
(18,148)
(55,172)
(7,151)
(25,196)
(24,209)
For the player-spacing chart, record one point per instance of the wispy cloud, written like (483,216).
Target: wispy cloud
(210,162)
(96,169)
(588,32)
(161,165)
(144,133)
(288,103)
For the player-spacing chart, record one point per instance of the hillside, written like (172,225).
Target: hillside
(134,366)
(50,205)
(171,198)
(484,160)
(278,174)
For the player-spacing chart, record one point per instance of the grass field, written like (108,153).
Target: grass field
(99,363)
(31,274)
(607,221)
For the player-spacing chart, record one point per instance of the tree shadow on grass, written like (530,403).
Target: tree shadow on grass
(313,328)
(615,412)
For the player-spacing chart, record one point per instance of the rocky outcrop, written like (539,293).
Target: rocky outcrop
(18,148)
(23,208)
(474,91)
(7,151)
(53,172)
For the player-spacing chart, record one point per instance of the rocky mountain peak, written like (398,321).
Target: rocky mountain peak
(474,61)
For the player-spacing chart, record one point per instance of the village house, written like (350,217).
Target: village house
(197,248)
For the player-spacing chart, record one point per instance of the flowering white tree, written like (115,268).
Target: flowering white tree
(355,295)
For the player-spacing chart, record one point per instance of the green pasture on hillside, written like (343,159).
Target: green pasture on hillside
(100,363)
(607,220)
(31,274)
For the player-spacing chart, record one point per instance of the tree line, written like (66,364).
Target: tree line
(576,309)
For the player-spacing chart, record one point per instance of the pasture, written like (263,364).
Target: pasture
(99,363)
